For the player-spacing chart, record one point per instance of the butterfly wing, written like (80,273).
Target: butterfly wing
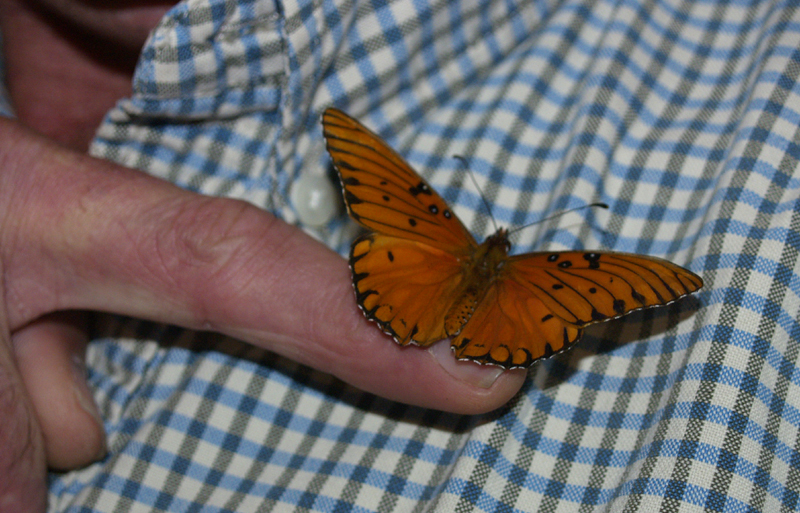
(540,302)
(383,193)
(408,273)
(405,286)
(512,328)
(584,287)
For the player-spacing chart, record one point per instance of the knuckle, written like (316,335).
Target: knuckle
(209,249)
(204,234)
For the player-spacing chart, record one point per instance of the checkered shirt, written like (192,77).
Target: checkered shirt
(683,116)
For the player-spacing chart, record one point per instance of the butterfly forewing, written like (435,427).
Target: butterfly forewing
(586,287)
(383,193)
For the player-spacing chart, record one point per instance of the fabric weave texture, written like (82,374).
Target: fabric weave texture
(682,116)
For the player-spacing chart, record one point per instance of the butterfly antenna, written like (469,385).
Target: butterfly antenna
(478,188)
(559,214)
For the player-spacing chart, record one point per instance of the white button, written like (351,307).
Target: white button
(315,199)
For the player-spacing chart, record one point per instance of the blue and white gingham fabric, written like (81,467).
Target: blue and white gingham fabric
(683,116)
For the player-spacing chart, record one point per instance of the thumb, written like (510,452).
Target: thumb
(101,237)
(23,467)
(50,354)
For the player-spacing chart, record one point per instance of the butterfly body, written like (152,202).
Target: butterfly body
(479,270)
(422,277)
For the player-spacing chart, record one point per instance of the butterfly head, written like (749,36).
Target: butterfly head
(490,256)
(499,240)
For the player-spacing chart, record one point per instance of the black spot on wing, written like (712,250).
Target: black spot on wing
(346,165)
(351,199)
(420,188)
(593,259)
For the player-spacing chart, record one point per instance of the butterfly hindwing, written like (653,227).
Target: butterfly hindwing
(383,193)
(405,286)
(512,328)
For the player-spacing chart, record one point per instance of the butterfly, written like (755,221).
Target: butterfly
(422,277)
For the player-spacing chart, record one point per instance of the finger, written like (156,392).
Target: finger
(107,238)
(50,355)
(23,470)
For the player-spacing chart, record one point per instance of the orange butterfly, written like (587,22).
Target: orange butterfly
(422,277)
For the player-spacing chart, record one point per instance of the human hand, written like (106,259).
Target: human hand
(78,233)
